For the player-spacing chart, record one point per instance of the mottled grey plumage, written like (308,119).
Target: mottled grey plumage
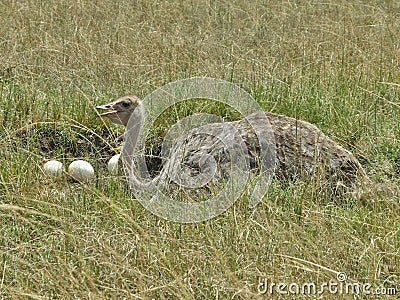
(301,148)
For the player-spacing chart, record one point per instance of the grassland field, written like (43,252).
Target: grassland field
(333,63)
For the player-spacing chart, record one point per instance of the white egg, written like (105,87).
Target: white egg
(112,165)
(81,170)
(53,168)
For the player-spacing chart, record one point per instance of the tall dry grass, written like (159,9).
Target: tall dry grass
(332,63)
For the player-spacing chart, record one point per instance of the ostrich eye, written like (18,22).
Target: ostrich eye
(126,104)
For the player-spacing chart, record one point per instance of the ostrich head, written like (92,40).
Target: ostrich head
(121,109)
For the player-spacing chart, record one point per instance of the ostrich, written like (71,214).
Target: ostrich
(301,148)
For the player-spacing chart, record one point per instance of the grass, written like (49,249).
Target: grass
(332,63)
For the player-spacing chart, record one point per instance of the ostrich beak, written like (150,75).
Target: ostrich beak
(113,114)
(111,111)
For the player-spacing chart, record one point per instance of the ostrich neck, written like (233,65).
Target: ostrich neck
(131,137)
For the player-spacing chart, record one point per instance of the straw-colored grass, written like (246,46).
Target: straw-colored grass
(333,63)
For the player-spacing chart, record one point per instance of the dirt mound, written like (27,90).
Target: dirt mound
(52,141)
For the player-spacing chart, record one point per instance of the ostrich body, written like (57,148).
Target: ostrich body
(301,148)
